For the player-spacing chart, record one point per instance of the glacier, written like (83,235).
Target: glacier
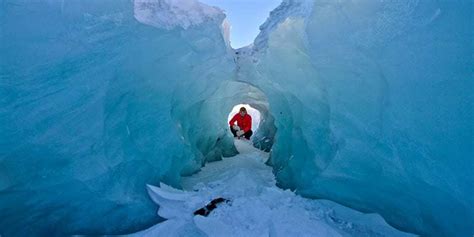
(365,103)
(255,206)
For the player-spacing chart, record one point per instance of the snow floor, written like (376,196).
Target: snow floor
(257,207)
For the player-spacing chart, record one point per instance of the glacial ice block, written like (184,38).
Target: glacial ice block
(366,103)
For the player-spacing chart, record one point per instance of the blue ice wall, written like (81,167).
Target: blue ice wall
(399,83)
(86,95)
(373,105)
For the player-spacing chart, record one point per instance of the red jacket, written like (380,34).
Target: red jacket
(245,123)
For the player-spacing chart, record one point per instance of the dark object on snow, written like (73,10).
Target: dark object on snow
(210,206)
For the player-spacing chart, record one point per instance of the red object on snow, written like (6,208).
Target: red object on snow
(245,122)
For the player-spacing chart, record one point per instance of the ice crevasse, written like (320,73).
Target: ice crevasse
(366,103)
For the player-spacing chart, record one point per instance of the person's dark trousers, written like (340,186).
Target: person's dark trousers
(247,135)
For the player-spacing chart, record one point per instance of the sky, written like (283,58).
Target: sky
(245,17)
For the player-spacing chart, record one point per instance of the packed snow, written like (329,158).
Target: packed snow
(256,207)
(365,103)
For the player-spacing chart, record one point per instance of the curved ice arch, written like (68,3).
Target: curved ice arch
(390,128)
(356,123)
(87,93)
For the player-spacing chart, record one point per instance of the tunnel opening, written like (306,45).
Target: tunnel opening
(206,133)
(254,114)
(261,138)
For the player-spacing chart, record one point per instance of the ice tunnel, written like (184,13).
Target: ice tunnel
(366,103)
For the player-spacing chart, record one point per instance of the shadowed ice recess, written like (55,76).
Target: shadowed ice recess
(365,103)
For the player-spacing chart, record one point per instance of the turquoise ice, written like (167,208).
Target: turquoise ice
(365,103)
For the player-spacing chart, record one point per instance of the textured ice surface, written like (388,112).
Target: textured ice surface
(90,104)
(256,206)
(373,105)
(366,103)
(169,14)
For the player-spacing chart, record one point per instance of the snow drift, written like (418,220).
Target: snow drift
(254,205)
(368,104)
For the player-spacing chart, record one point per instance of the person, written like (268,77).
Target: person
(243,128)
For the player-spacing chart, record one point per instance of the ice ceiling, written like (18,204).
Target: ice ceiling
(366,103)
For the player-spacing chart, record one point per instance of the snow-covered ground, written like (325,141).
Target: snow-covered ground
(257,206)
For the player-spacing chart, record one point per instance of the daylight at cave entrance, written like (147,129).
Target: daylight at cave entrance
(115,118)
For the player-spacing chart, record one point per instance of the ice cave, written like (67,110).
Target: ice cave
(114,119)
